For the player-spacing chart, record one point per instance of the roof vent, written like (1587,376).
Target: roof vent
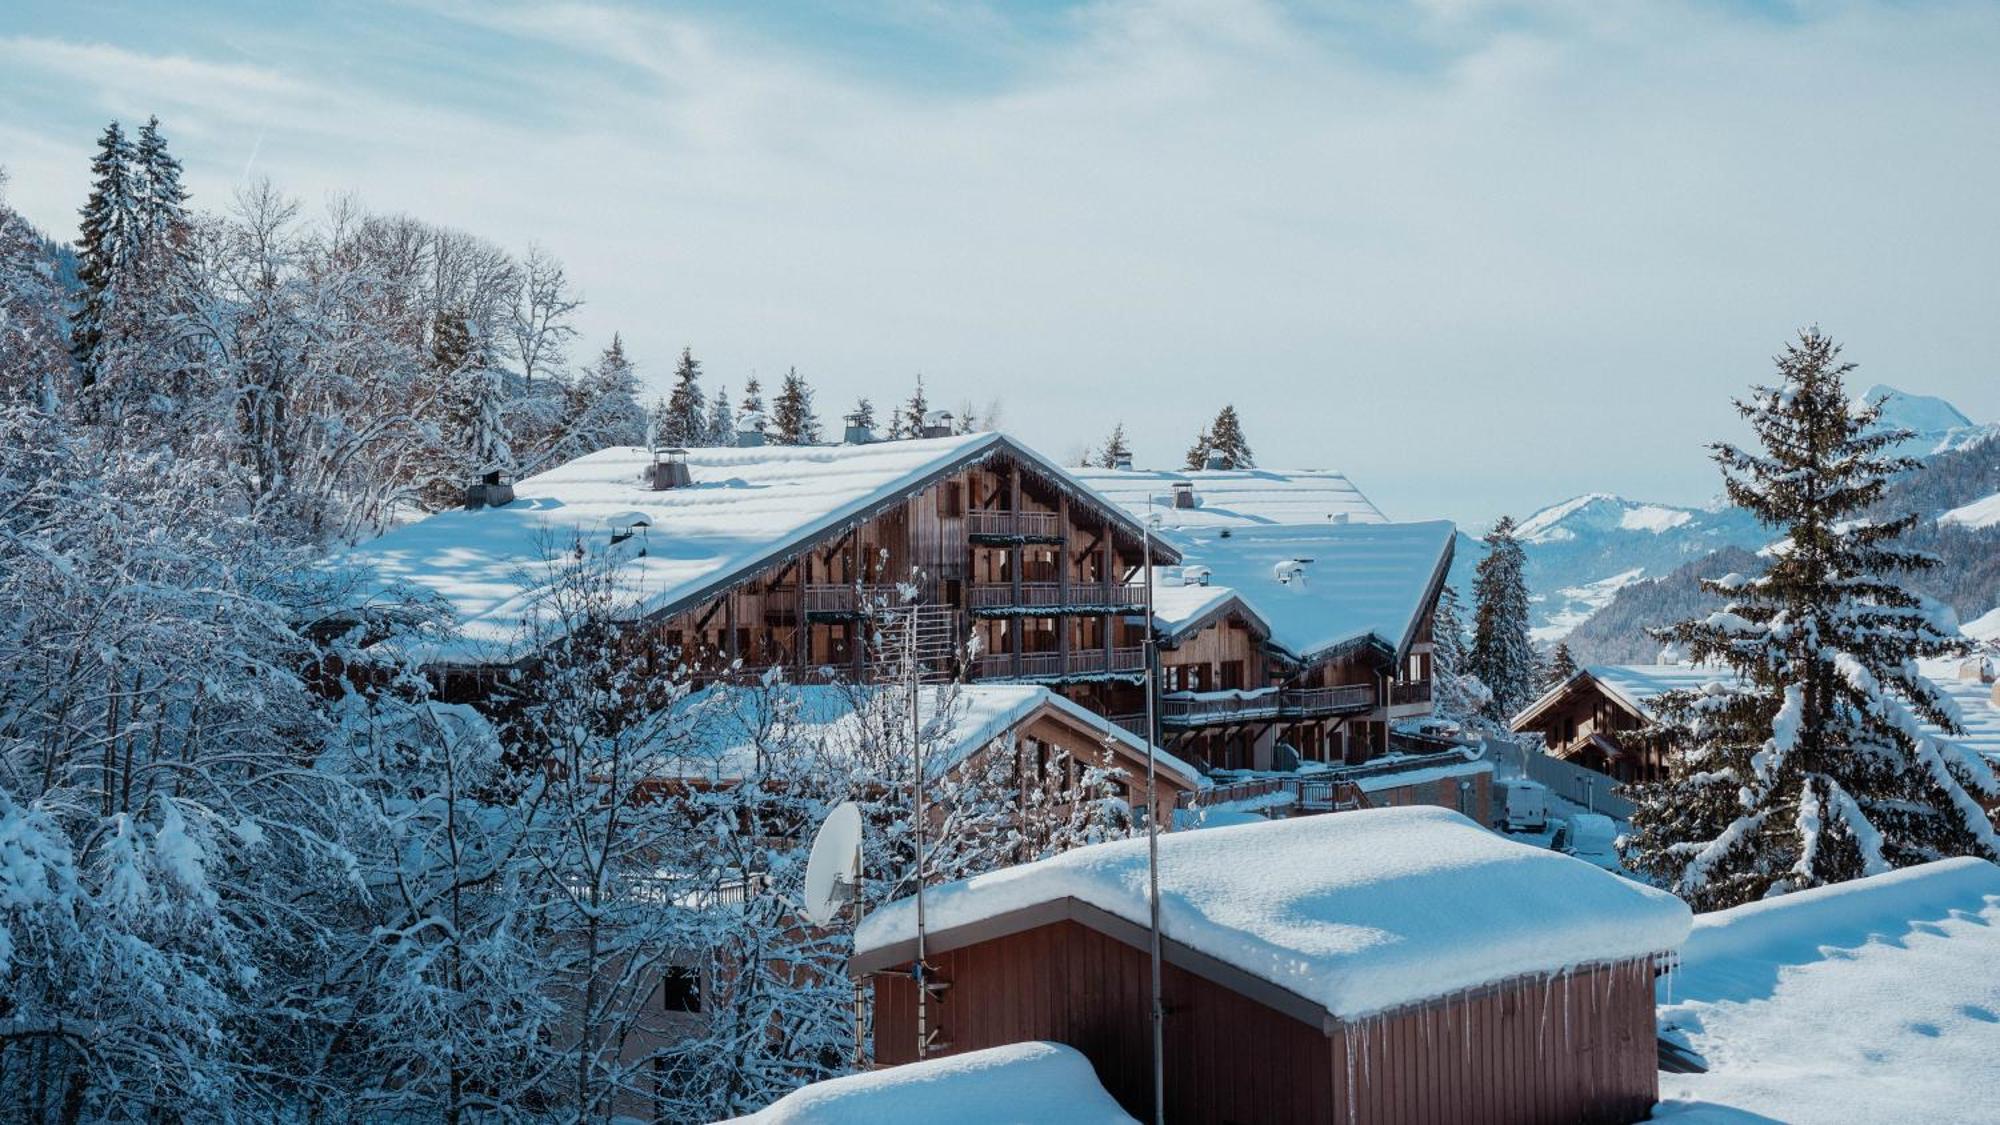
(1337,517)
(668,470)
(938,423)
(1215,461)
(750,430)
(858,432)
(1291,572)
(1195,576)
(1183,494)
(491,490)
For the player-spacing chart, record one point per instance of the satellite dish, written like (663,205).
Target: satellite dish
(835,866)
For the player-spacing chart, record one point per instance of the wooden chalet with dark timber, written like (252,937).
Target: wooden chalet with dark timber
(1395,965)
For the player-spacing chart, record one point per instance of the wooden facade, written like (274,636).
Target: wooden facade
(1575,1047)
(1584,724)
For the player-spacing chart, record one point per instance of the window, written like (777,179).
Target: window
(951,500)
(681,991)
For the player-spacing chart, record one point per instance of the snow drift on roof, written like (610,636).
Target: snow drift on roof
(1363,580)
(730,724)
(1235,497)
(1872,1000)
(1357,912)
(1038,1083)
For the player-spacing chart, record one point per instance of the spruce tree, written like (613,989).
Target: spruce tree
(792,418)
(721,422)
(1115,451)
(909,421)
(1561,666)
(1197,454)
(1457,694)
(686,419)
(1503,656)
(753,400)
(106,247)
(1225,437)
(160,207)
(1811,767)
(601,407)
(659,423)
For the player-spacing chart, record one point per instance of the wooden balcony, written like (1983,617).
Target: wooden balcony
(984,526)
(1123,661)
(828,600)
(1267,706)
(1038,599)
(1411,692)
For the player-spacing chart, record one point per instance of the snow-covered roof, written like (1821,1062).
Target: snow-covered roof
(745,509)
(1355,912)
(1315,587)
(729,724)
(1235,497)
(1042,1083)
(1398,779)
(1635,685)
(1872,1000)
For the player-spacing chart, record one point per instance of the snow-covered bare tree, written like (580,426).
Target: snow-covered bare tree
(35,365)
(1808,764)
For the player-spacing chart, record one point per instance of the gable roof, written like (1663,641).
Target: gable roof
(1351,914)
(1236,497)
(1364,581)
(745,509)
(730,723)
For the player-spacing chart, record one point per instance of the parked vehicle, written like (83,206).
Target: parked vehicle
(1591,837)
(1520,805)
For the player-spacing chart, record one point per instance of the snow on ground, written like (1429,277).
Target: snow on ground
(1358,912)
(1340,582)
(1979,513)
(1019,1084)
(1653,518)
(1976,708)
(1235,497)
(1871,1001)
(1985,627)
(1579,602)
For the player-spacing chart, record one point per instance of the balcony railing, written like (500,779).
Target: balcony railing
(1125,660)
(1002,596)
(1286,703)
(830,598)
(984,524)
(1414,691)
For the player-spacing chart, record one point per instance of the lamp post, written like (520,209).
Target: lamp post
(1151,652)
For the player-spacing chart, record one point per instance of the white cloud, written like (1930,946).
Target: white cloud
(1585,223)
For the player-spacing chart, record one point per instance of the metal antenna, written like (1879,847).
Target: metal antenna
(917,800)
(1151,652)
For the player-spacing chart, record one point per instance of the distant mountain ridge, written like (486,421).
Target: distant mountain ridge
(1591,551)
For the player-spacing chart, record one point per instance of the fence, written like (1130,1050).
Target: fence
(1573,783)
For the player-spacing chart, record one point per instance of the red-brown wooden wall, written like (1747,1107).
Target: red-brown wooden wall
(1577,1049)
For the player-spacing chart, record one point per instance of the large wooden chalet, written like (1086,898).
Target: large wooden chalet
(1293,618)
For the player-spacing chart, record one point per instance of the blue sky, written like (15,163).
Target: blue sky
(1482,256)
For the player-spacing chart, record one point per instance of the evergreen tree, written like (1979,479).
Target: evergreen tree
(1458,694)
(1561,666)
(159,213)
(1223,438)
(106,247)
(1115,449)
(601,407)
(721,420)
(659,422)
(685,421)
(35,362)
(909,420)
(1502,656)
(1812,768)
(753,400)
(793,421)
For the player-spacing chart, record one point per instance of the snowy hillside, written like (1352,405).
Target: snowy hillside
(1582,551)
(1936,425)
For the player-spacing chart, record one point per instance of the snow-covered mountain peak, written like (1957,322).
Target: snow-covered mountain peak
(1920,414)
(1597,512)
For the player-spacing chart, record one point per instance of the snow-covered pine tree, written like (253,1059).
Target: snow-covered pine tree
(753,401)
(601,407)
(35,363)
(1457,693)
(1812,768)
(1225,437)
(1115,451)
(1561,666)
(1197,454)
(659,422)
(159,215)
(685,421)
(106,246)
(1503,656)
(721,420)
(909,421)
(792,419)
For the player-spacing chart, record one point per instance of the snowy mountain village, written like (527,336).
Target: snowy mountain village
(400,721)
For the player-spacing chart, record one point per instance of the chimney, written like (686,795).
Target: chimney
(1183,494)
(750,430)
(937,424)
(858,434)
(1215,461)
(668,470)
(491,490)
(1123,464)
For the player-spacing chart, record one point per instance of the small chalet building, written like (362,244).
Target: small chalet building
(1596,719)
(1389,964)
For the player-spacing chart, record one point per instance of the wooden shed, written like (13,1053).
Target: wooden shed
(1384,965)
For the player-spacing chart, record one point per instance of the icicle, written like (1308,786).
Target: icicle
(1350,1074)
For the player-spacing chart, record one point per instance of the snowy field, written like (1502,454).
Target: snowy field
(1874,1001)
